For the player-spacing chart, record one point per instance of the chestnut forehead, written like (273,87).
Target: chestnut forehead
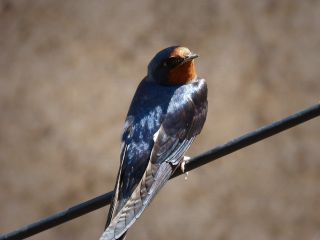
(180,52)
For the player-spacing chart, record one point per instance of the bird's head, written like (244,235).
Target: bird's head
(173,66)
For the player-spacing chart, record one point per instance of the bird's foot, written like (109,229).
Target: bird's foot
(182,166)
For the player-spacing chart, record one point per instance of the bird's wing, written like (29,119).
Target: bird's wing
(183,121)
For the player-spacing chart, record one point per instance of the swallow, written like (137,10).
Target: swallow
(167,112)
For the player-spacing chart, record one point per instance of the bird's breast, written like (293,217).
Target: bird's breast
(182,74)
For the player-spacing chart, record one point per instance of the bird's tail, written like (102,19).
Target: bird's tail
(156,175)
(123,236)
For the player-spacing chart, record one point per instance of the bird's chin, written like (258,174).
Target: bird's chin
(182,74)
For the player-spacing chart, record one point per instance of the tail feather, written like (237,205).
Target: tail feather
(153,180)
(114,202)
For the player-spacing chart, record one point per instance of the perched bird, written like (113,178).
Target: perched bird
(168,110)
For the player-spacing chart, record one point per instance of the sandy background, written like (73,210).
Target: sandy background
(68,71)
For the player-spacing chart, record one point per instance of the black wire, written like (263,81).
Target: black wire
(211,155)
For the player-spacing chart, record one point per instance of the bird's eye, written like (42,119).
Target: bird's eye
(172,62)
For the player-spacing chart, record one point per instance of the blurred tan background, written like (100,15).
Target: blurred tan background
(68,71)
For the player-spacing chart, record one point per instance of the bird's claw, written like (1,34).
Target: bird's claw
(182,166)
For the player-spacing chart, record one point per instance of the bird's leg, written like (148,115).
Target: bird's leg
(183,164)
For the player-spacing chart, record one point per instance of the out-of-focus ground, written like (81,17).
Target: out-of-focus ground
(68,71)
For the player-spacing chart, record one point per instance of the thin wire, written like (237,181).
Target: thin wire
(209,156)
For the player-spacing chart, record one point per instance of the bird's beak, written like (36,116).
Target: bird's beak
(190,57)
